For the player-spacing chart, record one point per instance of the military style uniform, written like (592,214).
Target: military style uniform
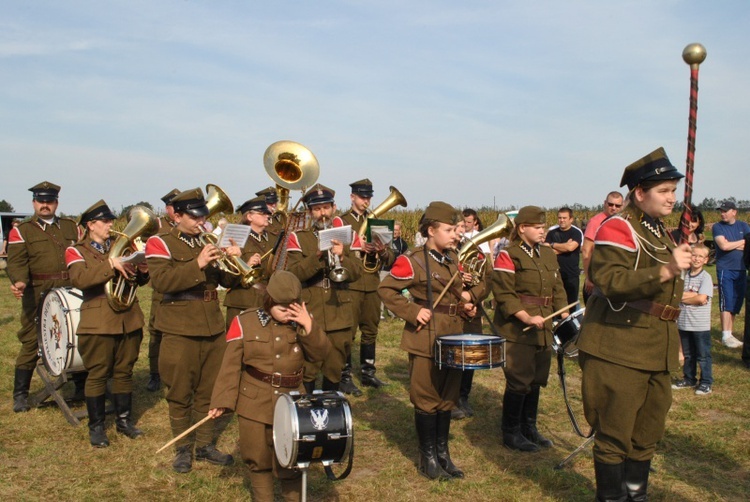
(276,219)
(258,347)
(329,302)
(629,342)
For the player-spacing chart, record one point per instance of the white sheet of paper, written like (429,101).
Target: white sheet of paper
(238,233)
(341,234)
(135,258)
(383,234)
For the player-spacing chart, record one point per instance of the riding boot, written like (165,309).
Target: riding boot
(154,382)
(183,460)
(610,482)
(636,479)
(309,387)
(511,424)
(21,384)
(328,385)
(528,419)
(443,455)
(123,416)
(367,362)
(429,466)
(79,379)
(291,489)
(347,384)
(262,486)
(205,442)
(95,408)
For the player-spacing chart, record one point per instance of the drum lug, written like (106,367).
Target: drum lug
(309,438)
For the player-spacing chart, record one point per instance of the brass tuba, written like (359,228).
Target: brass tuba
(395,198)
(120,291)
(468,255)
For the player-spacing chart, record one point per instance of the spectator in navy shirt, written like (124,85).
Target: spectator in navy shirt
(566,240)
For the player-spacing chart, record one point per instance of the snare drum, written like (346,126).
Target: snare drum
(59,314)
(470,352)
(566,332)
(312,428)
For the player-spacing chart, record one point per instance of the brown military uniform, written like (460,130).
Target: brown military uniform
(240,298)
(154,340)
(275,223)
(190,318)
(626,353)
(255,340)
(36,257)
(108,341)
(329,302)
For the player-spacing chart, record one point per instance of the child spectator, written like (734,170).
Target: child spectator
(694,324)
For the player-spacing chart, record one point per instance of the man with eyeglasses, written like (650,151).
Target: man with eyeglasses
(729,236)
(612,205)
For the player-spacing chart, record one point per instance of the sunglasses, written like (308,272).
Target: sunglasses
(612,204)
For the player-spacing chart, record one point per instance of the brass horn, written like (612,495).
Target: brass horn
(468,255)
(292,166)
(395,198)
(120,291)
(218,201)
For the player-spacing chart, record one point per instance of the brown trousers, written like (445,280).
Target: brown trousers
(526,366)
(106,356)
(432,389)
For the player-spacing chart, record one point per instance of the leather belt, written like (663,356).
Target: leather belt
(541,301)
(64,276)
(276,379)
(451,309)
(663,312)
(207,295)
(325,283)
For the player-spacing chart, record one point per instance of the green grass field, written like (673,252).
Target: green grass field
(705,454)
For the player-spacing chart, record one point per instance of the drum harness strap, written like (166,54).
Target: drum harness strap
(450,310)
(571,415)
(329,472)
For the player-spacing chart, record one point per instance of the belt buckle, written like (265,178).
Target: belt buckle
(326,283)
(207,295)
(669,313)
(452,309)
(274,383)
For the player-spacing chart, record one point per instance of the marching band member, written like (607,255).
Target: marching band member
(365,299)
(36,263)
(154,339)
(527,287)
(190,318)
(266,350)
(255,213)
(425,272)
(329,302)
(108,340)
(629,342)
(275,220)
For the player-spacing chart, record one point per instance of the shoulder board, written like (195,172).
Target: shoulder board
(15,237)
(615,231)
(235,330)
(402,268)
(504,263)
(72,255)
(292,243)
(157,248)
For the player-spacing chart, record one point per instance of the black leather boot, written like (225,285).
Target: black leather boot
(367,362)
(347,384)
(209,453)
(183,459)
(95,408)
(328,385)
(123,416)
(309,387)
(610,482)
(511,425)
(528,419)
(21,384)
(154,382)
(636,479)
(429,466)
(443,455)
(79,379)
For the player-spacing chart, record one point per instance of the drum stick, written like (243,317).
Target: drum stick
(553,314)
(441,295)
(195,426)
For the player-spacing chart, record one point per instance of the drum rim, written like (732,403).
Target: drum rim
(294,419)
(65,304)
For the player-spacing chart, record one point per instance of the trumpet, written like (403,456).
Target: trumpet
(338,273)
(396,198)
(468,255)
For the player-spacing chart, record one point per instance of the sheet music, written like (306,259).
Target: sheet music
(382,233)
(239,233)
(341,234)
(135,258)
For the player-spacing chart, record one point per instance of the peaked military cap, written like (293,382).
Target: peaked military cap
(530,215)
(99,211)
(45,191)
(270,195)
(363,188)
(191,202)
(653,167)
(442,212)
(318,194)
(167,199)
(284,288)
(256,204)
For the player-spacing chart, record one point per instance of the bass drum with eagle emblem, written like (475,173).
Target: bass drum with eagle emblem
(309,428)
(58,318)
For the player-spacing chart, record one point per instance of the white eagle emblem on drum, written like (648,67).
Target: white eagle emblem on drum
(319,418)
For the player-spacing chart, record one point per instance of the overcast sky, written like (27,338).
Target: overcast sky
(474,102)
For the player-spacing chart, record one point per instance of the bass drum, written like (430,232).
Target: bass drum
(311,428)
(565,334)
(59,314)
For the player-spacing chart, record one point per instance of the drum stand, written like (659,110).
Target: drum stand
(51,389)
(575,453)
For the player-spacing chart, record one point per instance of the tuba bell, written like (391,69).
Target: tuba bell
(468,255)
(395,198)
(120,290)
